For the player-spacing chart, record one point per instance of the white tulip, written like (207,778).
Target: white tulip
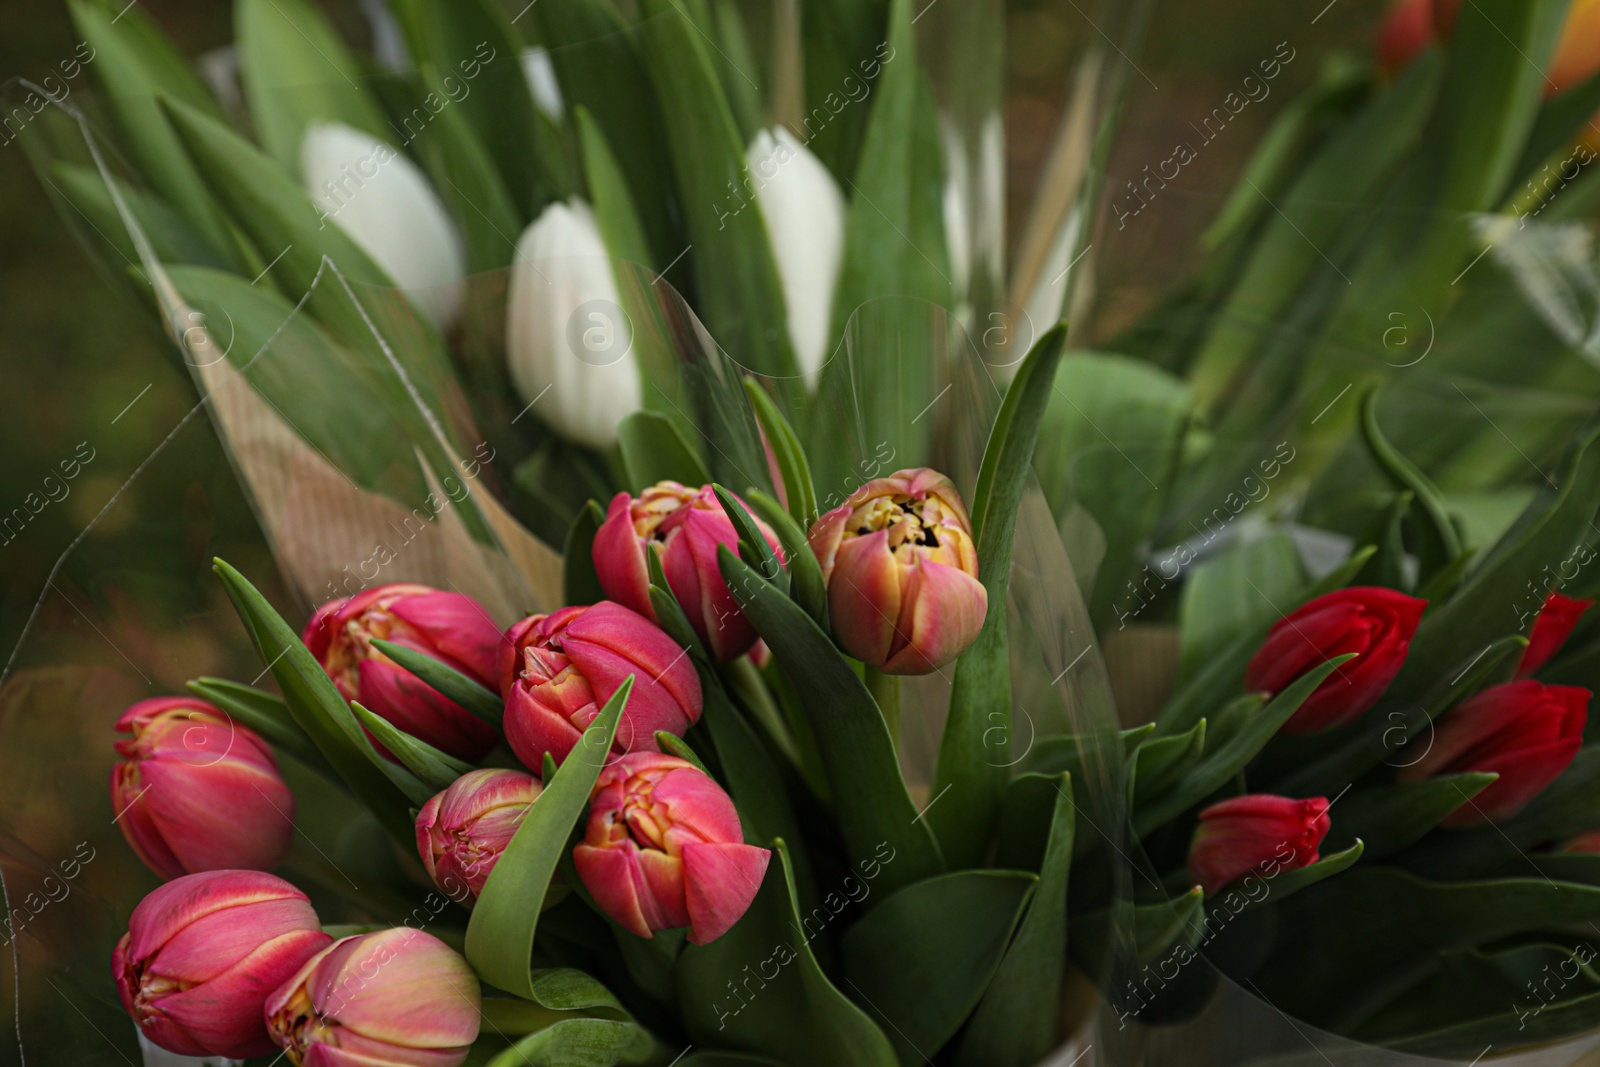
(567,337)
(383,202)
(540,75)
(804,213)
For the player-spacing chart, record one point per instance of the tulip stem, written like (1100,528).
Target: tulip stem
(885,689)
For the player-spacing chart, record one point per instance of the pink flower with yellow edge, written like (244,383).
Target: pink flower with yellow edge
(202,954)
(195,791)
(663,849)
(462,831)
(902,572)
(557,671)
(395,998)
(686,527)
(1255,834)
(449,627)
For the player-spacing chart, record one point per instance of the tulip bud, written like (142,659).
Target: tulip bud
(1373,622)
(540,74)
(1526,732)
(462,831)
(1577,54)
(395,998)
(1551,628)
(203,952)
(566,332)
(902,572)
(1406,31)
(383,202)
(663,849)
(450,627)
(557,671)
(804,213)
(1255,833)
(686,526)
(195,791)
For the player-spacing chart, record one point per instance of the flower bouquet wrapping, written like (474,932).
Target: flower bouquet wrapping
(685,637)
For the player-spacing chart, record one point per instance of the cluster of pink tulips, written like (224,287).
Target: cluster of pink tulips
(225,959)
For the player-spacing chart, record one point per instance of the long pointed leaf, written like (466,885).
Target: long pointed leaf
(447,681)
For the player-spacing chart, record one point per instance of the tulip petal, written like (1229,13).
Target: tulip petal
(218,817)
(720,880)
(458,628)
(613,879)
(1524,774)
(942,609)
(213,943)
(619,559)
(401,986)
(864,597)
(171,907)
(209,1012)
(421,711)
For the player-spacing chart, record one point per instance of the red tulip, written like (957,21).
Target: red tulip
(902,572)
(1406,30)
(1551,628)
(395,998)
(1577,54)
(452,628)
(1373,622)
(203,952)
(686,526)
(1255,833)
(462,831)
(1526,732)
(557,671)
(195,791)
(663,849)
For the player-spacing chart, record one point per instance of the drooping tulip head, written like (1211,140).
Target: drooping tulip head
(1524,731)
(195,791)
(902,572)
(557,671)
(686,526)
(462,831)
(1551,628)
(1256,833)
(663,849)
(1375,623)
(202,954)
(450,627)
(396,998)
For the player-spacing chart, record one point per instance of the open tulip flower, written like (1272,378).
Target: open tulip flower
(1551,628)
(663,849)
(203,953)
(686,526)
(452,628)
(1524,731)
(902,572)
(558,670)
(196,791)
(1255,833)
(1375,623)
(395,998)
(462,831)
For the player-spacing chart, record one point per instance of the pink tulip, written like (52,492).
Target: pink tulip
(195,791)
(203,952)
(663,849)
(452,628)
(902,572)
(396,998)
(686,527)
(462,831)
(557,671)
(1255,834)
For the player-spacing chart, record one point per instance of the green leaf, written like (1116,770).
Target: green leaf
(173,238)
(922,959)
(845,44)
(863,771)
(970,766)
(1234,593)
(1562,120)
(579,582)
(1240,732)
(1437,542)
(805,573)
(267,715)
(317,706)
(1284,883)
(1160,762)
(620,228)
(581,1043)
(296,71)
(793,469)
(753,546)
(673,745)
(446,680)
(789,1010)
(1155,927)
(736,278)
(437,770)
(670,615)
(654,451)
(1390,817)
(1016,1023)
(500,935)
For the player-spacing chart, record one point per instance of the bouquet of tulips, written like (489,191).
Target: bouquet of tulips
(702,626)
